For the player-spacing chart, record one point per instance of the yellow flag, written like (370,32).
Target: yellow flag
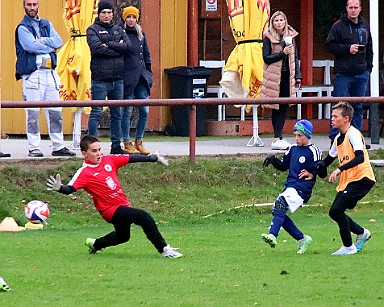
(248,20)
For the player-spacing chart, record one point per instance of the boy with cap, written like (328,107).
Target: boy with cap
(356,177)
(301,159)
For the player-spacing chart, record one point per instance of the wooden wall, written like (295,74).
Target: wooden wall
(13,120)
(164,22)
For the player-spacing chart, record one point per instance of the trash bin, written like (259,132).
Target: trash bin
(188,82)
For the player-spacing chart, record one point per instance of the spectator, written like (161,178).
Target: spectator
(108,43)
(350,42)
(281,72)
(137,80)
(36,45)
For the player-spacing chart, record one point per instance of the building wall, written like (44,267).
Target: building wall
(13,120)
(163,21)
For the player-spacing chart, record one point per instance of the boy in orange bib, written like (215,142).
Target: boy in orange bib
(356,177)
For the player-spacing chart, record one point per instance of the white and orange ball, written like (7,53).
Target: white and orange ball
(36,211)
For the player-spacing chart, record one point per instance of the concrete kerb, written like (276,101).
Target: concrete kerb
(18,148)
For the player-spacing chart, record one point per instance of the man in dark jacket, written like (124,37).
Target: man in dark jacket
(350,42)
(108,43)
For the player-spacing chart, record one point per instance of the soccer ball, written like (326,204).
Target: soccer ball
(36,211)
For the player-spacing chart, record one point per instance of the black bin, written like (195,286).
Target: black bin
(188,82)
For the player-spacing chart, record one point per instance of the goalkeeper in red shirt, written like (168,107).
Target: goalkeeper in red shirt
(98,176)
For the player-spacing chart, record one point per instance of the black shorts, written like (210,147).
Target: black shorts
(356,190)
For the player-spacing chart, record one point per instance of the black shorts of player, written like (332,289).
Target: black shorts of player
(355,191)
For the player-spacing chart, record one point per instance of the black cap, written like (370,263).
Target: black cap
(104,5)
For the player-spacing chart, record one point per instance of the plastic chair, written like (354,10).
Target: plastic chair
(216,89)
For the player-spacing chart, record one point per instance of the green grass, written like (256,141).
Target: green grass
(225,263)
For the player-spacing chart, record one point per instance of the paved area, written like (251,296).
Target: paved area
(18,147)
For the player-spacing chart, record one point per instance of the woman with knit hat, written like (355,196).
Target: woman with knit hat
(137,80)
(281,72)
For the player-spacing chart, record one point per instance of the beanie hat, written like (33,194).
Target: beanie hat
(305,127)
(130,10)
(104,5)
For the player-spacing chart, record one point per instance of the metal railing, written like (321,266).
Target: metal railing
(373,101)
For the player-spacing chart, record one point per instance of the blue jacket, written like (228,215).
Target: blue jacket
(137,63)
(295,160)
(26,61)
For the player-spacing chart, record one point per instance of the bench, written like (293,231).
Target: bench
(320,89)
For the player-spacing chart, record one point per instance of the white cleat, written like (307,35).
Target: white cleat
(346,250)
(171,252)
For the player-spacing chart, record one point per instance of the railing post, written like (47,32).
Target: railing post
(192,134)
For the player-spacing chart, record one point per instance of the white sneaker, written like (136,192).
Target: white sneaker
(280,145)
(346,250)
(361,239)
(170,252)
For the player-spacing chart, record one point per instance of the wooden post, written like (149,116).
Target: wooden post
(306,48)
(193,33)
(192,134)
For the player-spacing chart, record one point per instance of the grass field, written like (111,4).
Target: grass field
(225,262)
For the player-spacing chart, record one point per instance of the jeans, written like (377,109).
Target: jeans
(141,92)
(351,86)
(43,85)
(100,91)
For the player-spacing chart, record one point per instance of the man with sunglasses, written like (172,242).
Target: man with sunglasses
(350,42)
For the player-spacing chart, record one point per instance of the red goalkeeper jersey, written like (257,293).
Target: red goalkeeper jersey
(101,182)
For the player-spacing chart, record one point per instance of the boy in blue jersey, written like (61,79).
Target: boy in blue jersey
(302,161)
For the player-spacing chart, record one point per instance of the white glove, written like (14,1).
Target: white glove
(161,159)
(54,184)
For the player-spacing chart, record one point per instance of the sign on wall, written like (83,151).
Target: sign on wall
(210,9)
(211,5)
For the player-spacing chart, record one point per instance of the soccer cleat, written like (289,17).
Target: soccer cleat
(270,239)
(303,244)
(361,239)
(3,285)
(346,250)
(89,242)
(170,252)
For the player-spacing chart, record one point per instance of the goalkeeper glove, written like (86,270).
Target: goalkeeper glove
(269,160)
(54,183)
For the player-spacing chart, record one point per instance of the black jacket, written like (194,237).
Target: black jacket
(343,34)
(107,60)
(137,63)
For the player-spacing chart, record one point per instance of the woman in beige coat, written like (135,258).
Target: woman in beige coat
(281,72)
